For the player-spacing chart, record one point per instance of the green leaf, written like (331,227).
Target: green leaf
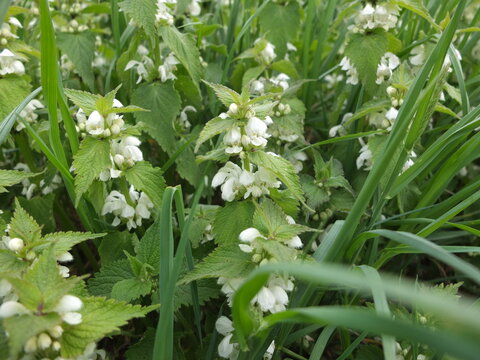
(185,49)
(12,177)
(102,283)
(277,250)
(144,177)
(214,127)
(226,95)
(164,104)
(23,327)
(80,49)
(375,45)
(286,67)
(113,246)
(282,168)
(82,99)
(131,289)
(99,318)
(142,13)
(92,158)
(417,7)
(142,350)
(13,90)
(280,24)
(148,249)
(231,220)
(41,209)
(225,261)
(268,217)
(23,226)
(207,289)
(65,241)
(10,263)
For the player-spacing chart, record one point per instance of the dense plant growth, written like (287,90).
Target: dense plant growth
(239,179)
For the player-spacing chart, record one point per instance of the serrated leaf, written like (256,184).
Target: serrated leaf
(12,177)
(104,280)
(131,289)
(113,246)
(282,168)
(214,127)
(417,7)
(41,209)
(99,318)
(13,89)
(278,250)
(64,241)
(23,226)
(280,24)
(10,263)
(286,67)
(23,327)
(268,217)
(80,49)
(207,289)
(148,249)
(142,350)
(375,45)
(231,220)
(126,109)
(144,177)
(225,261)
(185,49)
(92,158)
(142,13)
(315,195)
(226,95)
(82,99)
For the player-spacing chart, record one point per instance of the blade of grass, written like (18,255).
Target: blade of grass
(321,343)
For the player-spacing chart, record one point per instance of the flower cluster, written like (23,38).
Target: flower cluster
(8,30)
(10,63)
(384,16)
(131,211)
(388,63)
(98,125)
(124,153)
(351,70)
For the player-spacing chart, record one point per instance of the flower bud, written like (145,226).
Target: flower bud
(56,331)
(72,318)
(30,345)
(119,160)
(115,129)
(233,108)
(44,341)
(15,244)
(107,133)
(256,258)
(56,346)
(31,255)
(65,257)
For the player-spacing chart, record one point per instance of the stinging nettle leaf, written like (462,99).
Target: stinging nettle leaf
(144,177)
(231,220)
(142,13)
(214,127)
(12,177)
(83,99)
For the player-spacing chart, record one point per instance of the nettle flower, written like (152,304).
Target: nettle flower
(280,80)
(340,129)
(98,125)
(273,297)
(194,7)
(351,71)
(256,132)
(10,64)
(228,176)
(383,16)
(169,66)
(226,349)
(28,113)
(266,51)
(410,161)
(124,153)
(164,12)
(233,141)
(8,30)
(388,63)
(417,55)
(183,118)
(365,158)
(132,212)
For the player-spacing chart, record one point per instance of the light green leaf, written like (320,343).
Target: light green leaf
(82,99)
(225,261)
(148,249)
(99,318)
(185,49)
(417,7)
(80,49)
(92,158)
(226,95)
(13,90)
(214,127)
(64,241)
(282,168)
(231,220)
(12,177)
(131,289)
(23,226)
(144,177)
(278,250)
(375,45)
(142,13)
(102,283)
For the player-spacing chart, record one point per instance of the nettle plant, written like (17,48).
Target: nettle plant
(239,179)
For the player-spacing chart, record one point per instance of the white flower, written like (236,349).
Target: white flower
(72,318)
(228,177)
(5,288)
(128,148)
(224,325)
(183,119)
(95,124)
(194,8)
(388,63)
(10,64)
(56,331)
(169,66)
(229,286)
(116,204)
(391,114)
(281,80)
(269,352)
(273,297)
(350,70)
(267,53)
(233,140)
(333,80)
(15,244)
(418,55)
(69,303)
(381,16)
(255,133)
(31,345)
(226,349)
(409,161)
(365,158)
(163,15)
(28,113)
(12,308)
(133,215)
(257,87)
(140,67)
(249,235)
